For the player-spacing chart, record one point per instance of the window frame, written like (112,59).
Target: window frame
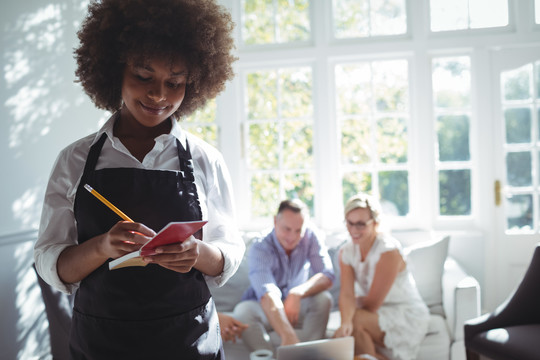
(418,46)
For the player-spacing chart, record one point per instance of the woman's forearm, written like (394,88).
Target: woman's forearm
(77,262)
(210,260)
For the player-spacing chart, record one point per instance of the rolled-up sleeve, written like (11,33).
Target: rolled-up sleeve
(57,229)
(221,230)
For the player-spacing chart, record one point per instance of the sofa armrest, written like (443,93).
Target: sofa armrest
(461,297)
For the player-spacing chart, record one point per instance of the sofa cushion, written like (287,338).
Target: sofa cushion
(436,344)
(227,296)
(426,262)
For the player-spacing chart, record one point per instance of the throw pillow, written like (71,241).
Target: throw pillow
(426,263)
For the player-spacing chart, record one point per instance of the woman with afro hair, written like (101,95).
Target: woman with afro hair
(150,63)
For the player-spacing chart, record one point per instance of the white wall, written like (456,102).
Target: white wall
(43,110)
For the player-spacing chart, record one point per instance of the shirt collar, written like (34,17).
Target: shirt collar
(176,130)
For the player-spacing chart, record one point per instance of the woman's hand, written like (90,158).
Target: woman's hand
(231,329)
(345,329)
(177,257)
(78,261)
(124,237)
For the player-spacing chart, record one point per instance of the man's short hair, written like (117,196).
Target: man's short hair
(294,205)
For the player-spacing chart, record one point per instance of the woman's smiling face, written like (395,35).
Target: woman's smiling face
(152,91)
(360,225)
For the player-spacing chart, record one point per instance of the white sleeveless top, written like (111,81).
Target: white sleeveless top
(403,315)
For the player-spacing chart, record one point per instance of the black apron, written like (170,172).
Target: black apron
(141,312)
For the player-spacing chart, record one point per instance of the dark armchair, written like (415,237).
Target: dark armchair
(512,331)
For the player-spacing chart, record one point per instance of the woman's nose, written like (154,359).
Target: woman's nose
(156,94)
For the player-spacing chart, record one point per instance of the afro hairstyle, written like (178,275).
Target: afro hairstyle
(116,31)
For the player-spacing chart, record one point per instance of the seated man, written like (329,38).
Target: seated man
(283,296)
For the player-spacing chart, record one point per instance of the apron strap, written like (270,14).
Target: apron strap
(186,162)
(92,159)
(186,168)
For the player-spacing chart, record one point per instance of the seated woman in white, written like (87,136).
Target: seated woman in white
(386,315)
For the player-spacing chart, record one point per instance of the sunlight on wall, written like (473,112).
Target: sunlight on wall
(32,326)
(27,208)
(35,49)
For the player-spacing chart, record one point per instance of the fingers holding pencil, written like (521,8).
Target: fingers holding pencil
(125,236)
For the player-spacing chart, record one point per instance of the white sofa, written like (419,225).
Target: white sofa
(450,293)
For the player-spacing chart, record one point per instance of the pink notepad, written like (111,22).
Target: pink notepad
(173,232)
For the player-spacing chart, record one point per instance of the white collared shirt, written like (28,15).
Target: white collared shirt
(58,228)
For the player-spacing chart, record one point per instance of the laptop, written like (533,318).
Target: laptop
(325,349)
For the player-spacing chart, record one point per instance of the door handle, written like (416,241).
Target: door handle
(497,193)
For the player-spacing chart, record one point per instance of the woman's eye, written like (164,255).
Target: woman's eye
(142,78)
(173,85)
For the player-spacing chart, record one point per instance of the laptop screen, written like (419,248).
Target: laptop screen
(325,349)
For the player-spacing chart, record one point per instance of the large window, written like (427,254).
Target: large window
(387,97)
(279,137)
(521,109)
(452,110)
(372,109)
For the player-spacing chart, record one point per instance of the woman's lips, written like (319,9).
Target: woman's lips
(156,110)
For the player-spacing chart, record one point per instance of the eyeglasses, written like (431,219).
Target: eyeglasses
(360,225)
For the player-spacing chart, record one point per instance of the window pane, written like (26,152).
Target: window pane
(538,121)
(264,194)
(452,108)
(467,14)
(297,145)
(454,192)
(518,125)
(390,85)
(518,168)
(519,212)
(202,123)
(351,18)
(488,13)
(262,89)
(388,17)
(355,141)
(452,82)
(364,18)
(263,146)
(355,182)
(391,143)
(373,113)
(273,22)
(537,65)
(394,189)
(295,86)
(453,137)
(279,136)
(293,21)
(354,83)
(515,83)
(300,186)
(258,22)
(449,15)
